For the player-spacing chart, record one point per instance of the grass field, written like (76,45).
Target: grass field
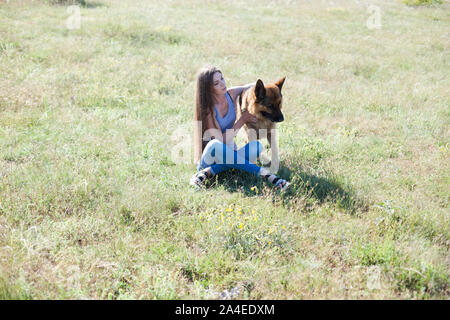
(94,205)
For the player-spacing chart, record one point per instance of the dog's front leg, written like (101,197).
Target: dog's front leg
(251,134)
(272,137)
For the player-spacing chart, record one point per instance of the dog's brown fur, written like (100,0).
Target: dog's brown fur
(265,103)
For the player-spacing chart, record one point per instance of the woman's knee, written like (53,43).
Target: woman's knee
(255,147)
(213,143)
(212,146)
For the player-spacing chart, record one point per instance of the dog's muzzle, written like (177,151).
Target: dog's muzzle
(269,116)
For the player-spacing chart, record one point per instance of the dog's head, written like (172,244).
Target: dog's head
(269,100)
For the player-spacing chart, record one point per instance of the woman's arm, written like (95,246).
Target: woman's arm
(246,117)
(211,129)
(229,135)
(235,91)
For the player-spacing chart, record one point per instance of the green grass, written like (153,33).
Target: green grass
(421,2)
(93,205)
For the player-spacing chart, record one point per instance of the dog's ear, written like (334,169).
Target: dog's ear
(280,82)
(260,91)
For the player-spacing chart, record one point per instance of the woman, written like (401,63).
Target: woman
(215,117)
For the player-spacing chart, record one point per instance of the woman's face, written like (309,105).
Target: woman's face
(219,85)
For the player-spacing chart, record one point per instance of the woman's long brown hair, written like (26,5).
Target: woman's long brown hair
(203,107)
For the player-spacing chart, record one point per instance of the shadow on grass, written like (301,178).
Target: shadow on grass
(82,3)
(93,4)
(236,180)
(310,186)
(322,187)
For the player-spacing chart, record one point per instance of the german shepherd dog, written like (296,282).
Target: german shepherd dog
(265,103)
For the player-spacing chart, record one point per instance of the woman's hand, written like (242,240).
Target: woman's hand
(248,117)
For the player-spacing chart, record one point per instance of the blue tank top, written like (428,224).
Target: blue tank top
(228,120)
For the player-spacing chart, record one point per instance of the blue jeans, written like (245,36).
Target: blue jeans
(219,157)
